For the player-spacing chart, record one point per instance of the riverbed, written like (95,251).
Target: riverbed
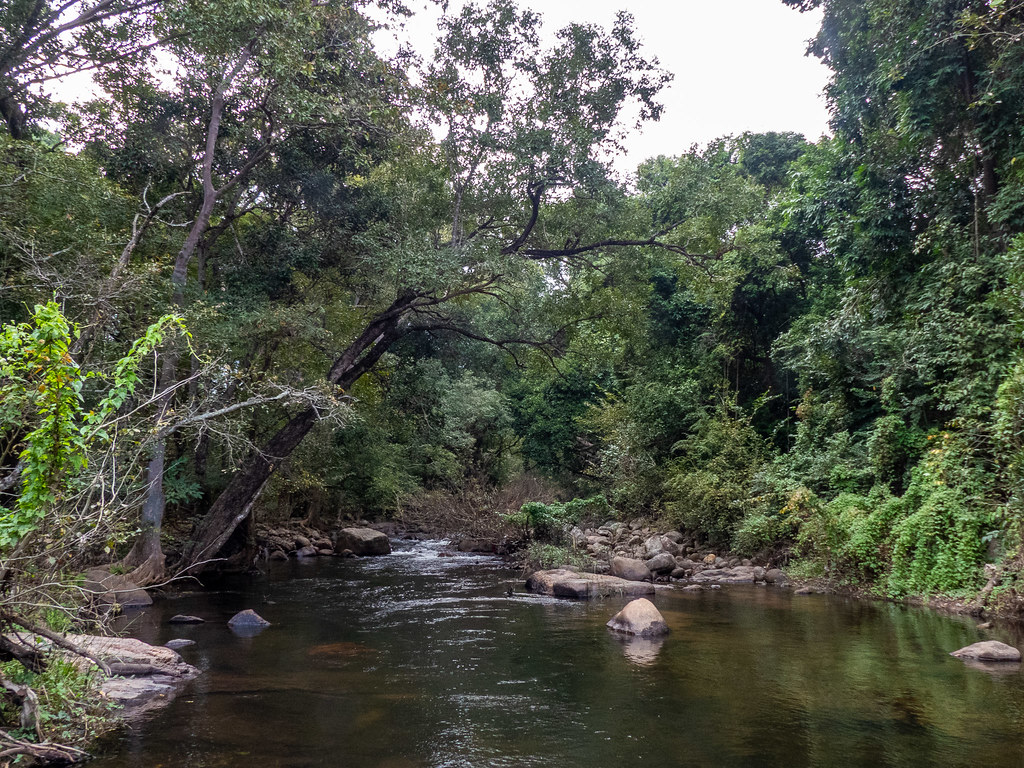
(421,659)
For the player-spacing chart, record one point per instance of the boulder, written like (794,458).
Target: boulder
(679,573)
(182,618)
(738,575)
(758,573)
(114,589)
(775,576)
(247,619)
(675,537)
(473,545)
(363,541)
(562,582)
(278,554)
(301,541)
(630,569)
(156,671)
(989,650)
(663,563)
(325,552)
(654,546)
(709,560)
(308,551)
(639,618)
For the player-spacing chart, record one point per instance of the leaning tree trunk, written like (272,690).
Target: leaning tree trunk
(235,502)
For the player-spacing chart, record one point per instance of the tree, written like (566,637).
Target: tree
(42,41)
(524,126)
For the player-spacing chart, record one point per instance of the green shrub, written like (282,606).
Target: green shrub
(550,521)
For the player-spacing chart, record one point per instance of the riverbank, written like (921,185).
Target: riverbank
(654,553)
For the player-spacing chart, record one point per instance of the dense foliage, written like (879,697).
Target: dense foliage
(404,277)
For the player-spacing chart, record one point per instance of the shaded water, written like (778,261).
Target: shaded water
(416,660)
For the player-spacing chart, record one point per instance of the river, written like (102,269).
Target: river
(418,660)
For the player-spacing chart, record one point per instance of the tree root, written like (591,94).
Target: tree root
(150,571)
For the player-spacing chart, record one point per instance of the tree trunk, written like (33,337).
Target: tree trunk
(236,501)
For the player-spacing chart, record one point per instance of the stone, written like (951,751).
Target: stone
(775,576)
(248,619)
(179,643)
(278,554)
(161,670)
(674,536)
(325,552)
(364,541)
(350,553)
(989,650)
(679,573)
(182,618)
(693,588)
(805,591)
(654,546)
(709,560)
(630,569)
(301,542)
(758,573)
(738,575)
(640,618)
(563,582)
(307,551)
(115,589)
(323,544)
(663,563)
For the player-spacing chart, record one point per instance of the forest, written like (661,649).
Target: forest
(268,272)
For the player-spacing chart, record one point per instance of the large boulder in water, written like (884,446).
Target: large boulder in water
(363,541)
(630,569)
(639,618)
(989,650)
(562,582)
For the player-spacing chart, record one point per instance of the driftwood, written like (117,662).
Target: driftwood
(46,752)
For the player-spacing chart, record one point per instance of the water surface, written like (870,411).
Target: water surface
(424,661)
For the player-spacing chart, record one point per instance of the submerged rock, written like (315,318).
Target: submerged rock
(247,619)
(988,650)
(639,618)
(363,541)
(178,642)
(562,582)
(182,618)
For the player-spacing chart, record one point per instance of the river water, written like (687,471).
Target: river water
(418,660)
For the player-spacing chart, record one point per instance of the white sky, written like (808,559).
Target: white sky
(739,65)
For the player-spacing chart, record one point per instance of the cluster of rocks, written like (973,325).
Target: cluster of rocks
(302,541)
(635,552)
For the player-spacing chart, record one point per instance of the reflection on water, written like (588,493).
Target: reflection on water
(415,660)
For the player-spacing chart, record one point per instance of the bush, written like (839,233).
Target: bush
(549,522)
